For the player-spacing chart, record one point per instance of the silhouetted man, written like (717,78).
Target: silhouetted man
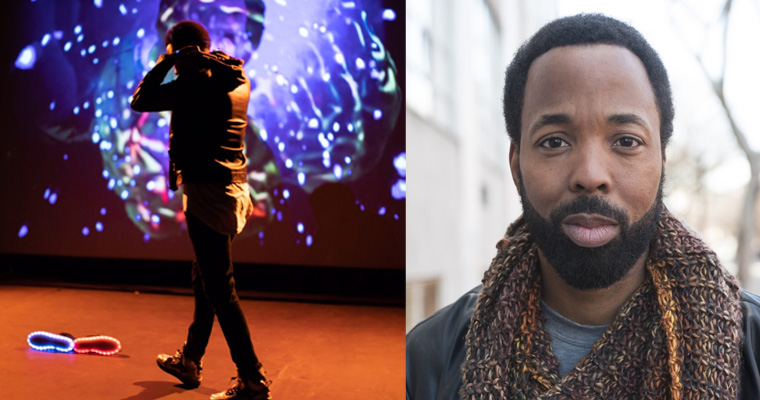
(209,102)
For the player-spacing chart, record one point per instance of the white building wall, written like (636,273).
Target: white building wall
(460,193)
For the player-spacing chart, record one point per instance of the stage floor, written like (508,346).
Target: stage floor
(310,351)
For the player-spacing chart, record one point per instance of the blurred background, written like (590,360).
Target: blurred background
(462,198)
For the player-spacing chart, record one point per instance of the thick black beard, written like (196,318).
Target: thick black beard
(591,268)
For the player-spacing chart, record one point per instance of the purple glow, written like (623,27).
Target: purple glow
(26,58)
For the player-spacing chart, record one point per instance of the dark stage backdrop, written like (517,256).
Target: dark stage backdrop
(84,176)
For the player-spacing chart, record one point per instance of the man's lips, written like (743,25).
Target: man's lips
(590,230)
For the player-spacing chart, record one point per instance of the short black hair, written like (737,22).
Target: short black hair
(585,29)
(187,33)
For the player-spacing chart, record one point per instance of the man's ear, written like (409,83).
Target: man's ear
(514,162)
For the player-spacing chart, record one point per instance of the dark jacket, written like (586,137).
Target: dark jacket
(209,116)
(435,350)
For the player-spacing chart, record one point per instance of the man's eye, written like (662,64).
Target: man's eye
(554,143)
(627,142)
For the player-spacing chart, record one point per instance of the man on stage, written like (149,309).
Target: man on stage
(209,102)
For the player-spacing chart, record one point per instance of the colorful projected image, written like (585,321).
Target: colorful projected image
(325,104)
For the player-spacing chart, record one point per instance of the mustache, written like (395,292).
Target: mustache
(588,205)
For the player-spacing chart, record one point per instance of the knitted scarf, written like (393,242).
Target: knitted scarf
(677,337)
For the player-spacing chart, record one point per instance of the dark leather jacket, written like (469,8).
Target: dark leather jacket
(435,350)
(209,116)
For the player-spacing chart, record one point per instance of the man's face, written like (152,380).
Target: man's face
(590,161)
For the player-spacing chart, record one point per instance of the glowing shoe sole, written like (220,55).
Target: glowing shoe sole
(103,345)
(46,341)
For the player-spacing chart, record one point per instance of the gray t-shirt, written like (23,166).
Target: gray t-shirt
(571,341)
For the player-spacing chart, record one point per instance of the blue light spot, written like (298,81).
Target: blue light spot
(347,159)
(281,146)
(309,240)
(377,114)
(122,9)
(76,110)
(80,38)
(300,227)
(289,163)
(263,134)
(45,39)
(124,194)
(52,105)
(91,49)
(399,162)
(155,219)
(110,94)
(53,198)
(58,34)
(99,226)
(116,41)
(98,3)
(67,46)
(301,178)
(336,127)
(141,32)
(78,29)
(398,190)
(23,231)
(146,237)
(303,32)
(360,64)
(389,15)
(111,183)
(103,211)
(95,60)
(85,231)
(279,215)
(313,123)
(65,157)
(83,52)
(338,171)
(350,127)
(26,58)
(286,194)
(47,194)
(106,174)
(136,169)
(86,105)
(105,43)
(381,211)
(261,234)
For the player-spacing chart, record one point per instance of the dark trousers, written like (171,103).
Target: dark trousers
(215,294)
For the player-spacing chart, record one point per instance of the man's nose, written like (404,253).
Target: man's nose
(590,170)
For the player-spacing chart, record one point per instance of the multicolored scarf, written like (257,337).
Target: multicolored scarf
(677,337)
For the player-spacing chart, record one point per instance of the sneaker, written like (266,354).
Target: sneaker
(183,368)
(244,389)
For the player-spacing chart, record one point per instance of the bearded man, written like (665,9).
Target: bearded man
(597,291)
